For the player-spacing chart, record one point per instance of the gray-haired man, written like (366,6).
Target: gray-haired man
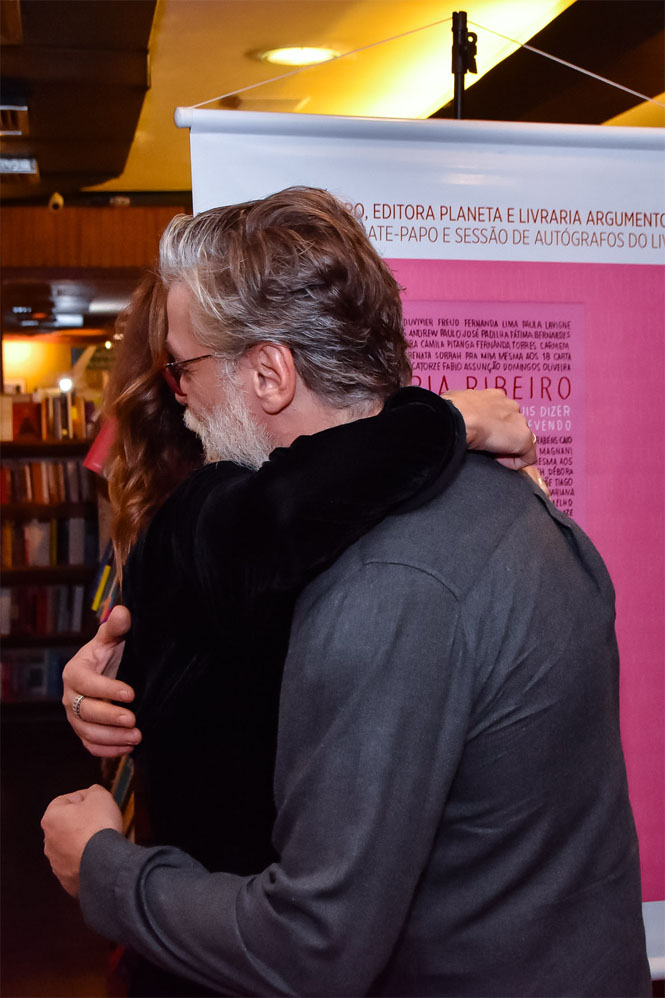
(452,809)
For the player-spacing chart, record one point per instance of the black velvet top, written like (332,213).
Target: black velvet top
(211,586)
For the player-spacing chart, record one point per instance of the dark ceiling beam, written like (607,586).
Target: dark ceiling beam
(622,41)
(82,69)
(11,26)
(38,63)
(108,24)
(596,102)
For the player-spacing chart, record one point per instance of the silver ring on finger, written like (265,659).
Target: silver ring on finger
(76,705)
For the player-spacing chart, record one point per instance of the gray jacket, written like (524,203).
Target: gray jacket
(452,809)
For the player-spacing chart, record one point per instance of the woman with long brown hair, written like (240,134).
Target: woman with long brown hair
(152,451)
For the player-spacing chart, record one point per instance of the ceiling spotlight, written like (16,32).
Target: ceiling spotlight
(17,165)
(65,384)
(297,56)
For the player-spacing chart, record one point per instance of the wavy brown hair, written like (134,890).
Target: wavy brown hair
(153,451)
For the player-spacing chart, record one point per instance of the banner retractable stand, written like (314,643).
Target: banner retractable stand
(532,259)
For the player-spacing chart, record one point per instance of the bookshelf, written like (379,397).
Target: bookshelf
(50,555)
(88,254)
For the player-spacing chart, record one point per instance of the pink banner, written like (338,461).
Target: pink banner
(534,351)
(614,314)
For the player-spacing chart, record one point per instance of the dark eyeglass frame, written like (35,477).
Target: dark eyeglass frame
(174,370)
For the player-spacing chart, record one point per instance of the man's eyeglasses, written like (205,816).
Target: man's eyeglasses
(174,370)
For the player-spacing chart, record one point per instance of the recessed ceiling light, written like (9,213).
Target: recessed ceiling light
(297,56)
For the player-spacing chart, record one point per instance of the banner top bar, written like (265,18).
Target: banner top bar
(422,130)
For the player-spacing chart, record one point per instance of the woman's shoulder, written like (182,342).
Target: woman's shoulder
(173,527)
(217,480)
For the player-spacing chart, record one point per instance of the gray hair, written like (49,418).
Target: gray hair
(294,268)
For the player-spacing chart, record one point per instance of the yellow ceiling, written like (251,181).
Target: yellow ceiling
(644,115)
(203,49)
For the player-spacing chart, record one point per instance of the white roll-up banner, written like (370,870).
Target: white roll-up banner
(532,259)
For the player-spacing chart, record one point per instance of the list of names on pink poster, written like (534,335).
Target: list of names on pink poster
(532,351)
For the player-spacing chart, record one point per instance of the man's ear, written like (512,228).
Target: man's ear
(273,376)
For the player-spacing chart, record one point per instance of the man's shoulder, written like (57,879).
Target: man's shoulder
(490,525)
(455,534)
(447,537)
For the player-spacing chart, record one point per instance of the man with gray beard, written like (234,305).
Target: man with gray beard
(451,808)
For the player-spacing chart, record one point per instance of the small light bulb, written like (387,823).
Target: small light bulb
(65,384)
(108,345)
(297,55)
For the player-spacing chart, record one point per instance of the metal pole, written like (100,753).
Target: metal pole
(459,64)
(464,58)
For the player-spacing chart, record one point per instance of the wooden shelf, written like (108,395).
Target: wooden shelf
(73,638)
(48,511)
(44,448)
(34,574)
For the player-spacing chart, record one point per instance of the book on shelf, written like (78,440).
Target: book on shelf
(33,673)
(97,456)
(42,611)
(26,419)
(59,420)
(5,610)
(14,545)
(46,414)
(6,417)
(76,540)
(48,543)
(105,589)
(45,480)
(38,543)
(38,474)
(76,617)
(6,543)
(73,480)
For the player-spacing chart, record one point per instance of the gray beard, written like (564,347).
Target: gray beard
(230,433)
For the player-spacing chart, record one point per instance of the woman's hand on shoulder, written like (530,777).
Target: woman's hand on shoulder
(495,423)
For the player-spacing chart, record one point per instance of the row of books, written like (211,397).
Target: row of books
(48,543)
(47,415)
(45,480)
(33,611)
(33,673)
(41,610)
